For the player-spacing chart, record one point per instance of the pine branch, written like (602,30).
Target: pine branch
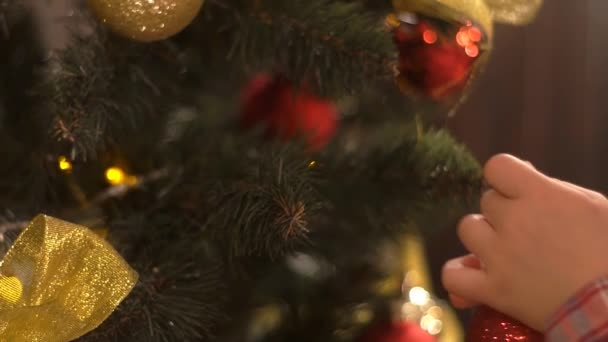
(268,212)
(10,11)
(446,167)
(388,177)
(101,87)
(21,56)
(11,226)
(23,139)
(336,45)
(181,294)
(79,87)
(452,180)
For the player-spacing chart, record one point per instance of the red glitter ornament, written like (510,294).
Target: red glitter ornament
(490,325)
(397,332)
(436,59)
(287,112)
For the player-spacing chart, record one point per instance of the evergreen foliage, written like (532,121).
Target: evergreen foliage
(234,224)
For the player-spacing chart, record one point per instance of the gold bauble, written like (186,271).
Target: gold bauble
(146,20)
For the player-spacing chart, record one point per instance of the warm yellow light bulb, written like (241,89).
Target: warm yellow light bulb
(117,176)
(312,164)
(64,164)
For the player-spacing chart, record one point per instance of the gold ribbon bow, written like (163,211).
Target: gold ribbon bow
(514,12)
(482,12)
(58,282)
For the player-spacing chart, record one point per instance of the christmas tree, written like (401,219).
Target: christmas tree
(267,167)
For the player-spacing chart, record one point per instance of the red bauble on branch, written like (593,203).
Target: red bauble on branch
(397,332)
(490,325)
(287,111)
(436,58)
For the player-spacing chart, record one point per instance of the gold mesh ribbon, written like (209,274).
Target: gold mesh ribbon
(58,282)
(514,12)
(451,10)
(482,12)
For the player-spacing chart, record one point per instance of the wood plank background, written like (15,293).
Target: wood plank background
(544,95)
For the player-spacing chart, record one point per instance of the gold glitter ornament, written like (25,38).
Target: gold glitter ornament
(146,20)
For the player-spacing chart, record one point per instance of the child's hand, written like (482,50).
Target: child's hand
(537,241)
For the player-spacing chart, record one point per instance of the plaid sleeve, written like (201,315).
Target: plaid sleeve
(584,317)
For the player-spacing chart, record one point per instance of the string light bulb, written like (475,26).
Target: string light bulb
(117,176)
(64,164)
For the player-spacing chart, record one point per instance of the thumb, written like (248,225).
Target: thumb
(511,176)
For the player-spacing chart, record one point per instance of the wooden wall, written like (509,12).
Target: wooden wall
(544,95)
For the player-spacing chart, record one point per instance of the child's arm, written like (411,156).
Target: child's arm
(538,241)
(584,317)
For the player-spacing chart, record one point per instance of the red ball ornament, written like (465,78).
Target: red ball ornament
(436,58)
(287,111)
(397,332)
(490,325)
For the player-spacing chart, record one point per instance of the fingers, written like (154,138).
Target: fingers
(493,206)
(470,261)
(510,176)
(466,285)
(477,235)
